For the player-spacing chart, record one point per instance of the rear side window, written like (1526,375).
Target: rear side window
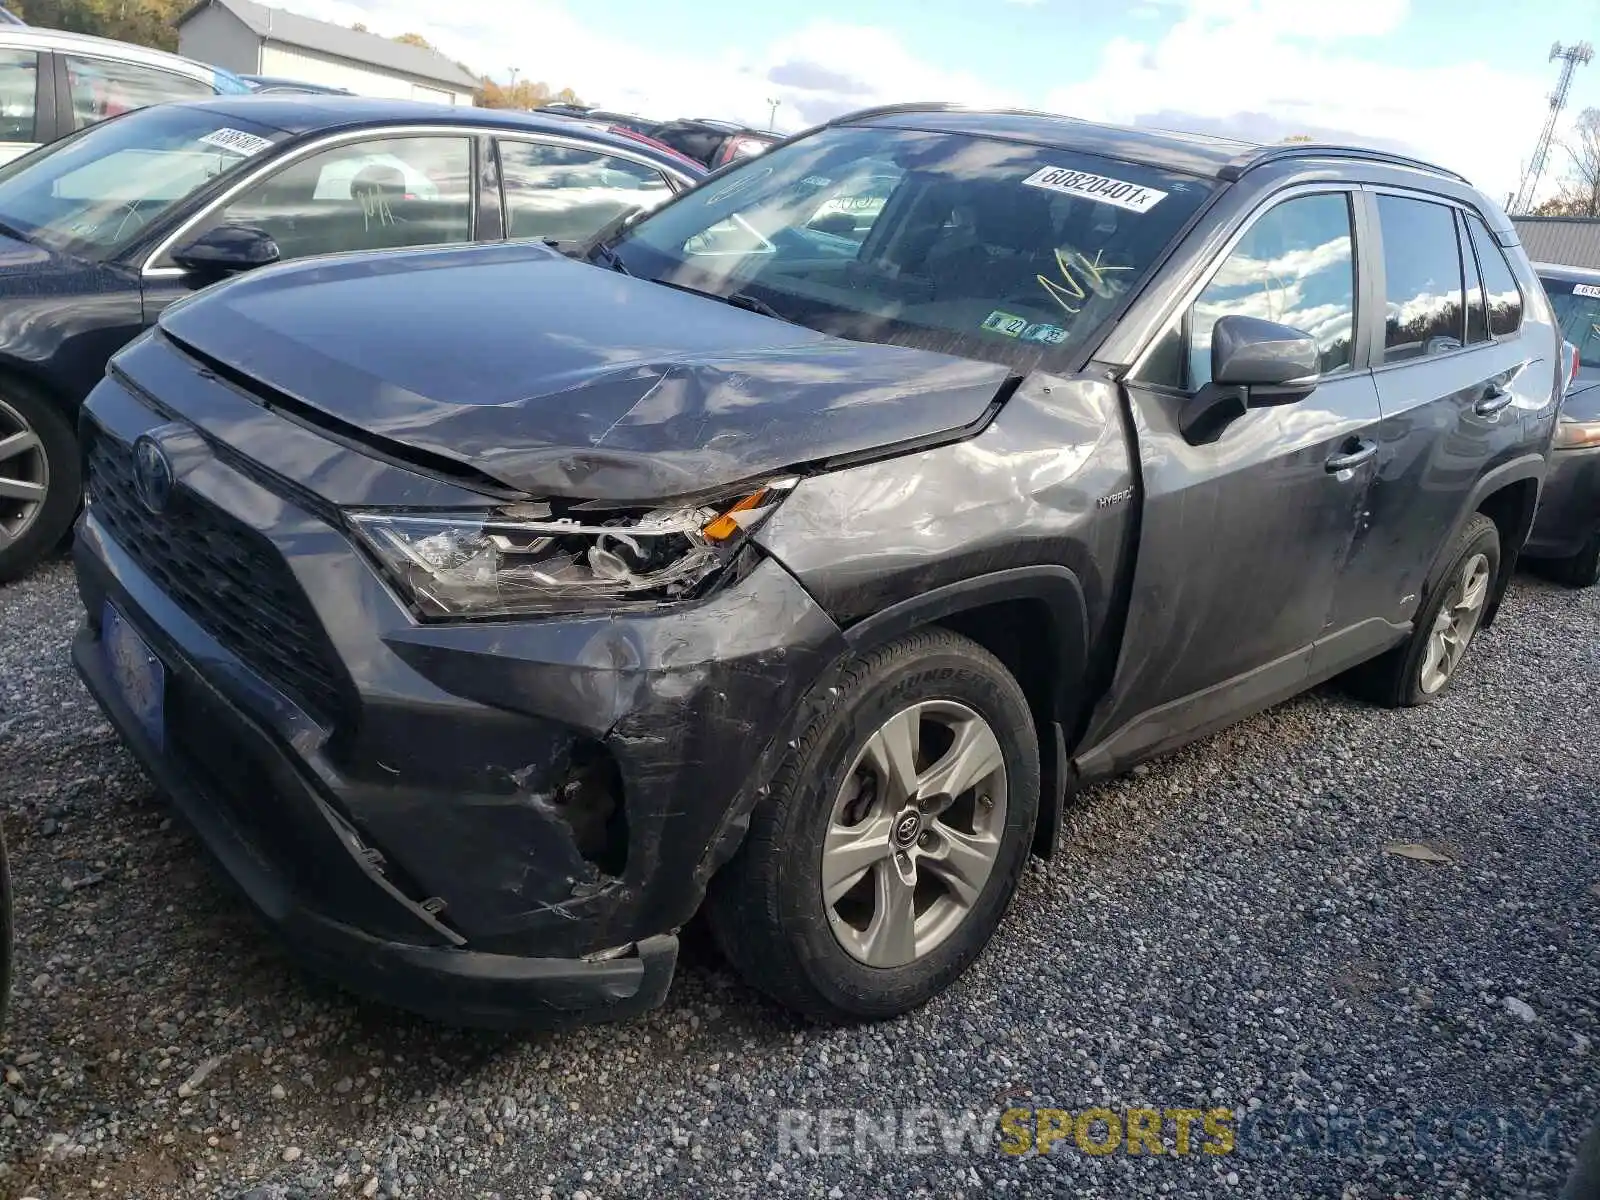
(567,193)
(1499,284)
(19,86)
(1293,266)
(1422,279)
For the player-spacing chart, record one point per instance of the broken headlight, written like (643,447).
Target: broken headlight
(528,559)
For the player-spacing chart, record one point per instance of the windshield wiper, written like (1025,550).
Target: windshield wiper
(742,300)
(612,259)
(11,231)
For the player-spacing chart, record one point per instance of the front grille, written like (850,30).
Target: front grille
(225,575)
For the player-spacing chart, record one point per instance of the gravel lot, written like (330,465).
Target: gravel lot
(1225,929)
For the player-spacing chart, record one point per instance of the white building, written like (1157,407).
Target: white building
(251,39)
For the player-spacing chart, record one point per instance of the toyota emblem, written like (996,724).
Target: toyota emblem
(152,475)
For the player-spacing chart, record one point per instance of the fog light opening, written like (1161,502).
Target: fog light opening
(589,800)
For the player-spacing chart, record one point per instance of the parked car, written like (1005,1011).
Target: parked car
(486,610)
(276,83)
(714,143)
(53,82)
(101,231)
(1566,534)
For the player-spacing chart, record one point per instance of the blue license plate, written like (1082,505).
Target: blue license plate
(138,674)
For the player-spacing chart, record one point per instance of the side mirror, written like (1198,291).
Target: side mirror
(226,250)
(1254,363)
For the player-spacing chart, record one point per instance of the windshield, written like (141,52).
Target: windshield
(91,194)
(1577,308)
(965,245)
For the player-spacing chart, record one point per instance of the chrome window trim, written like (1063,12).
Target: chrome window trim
(266,170)
(150,271)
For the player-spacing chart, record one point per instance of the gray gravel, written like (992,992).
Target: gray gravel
(1224,930)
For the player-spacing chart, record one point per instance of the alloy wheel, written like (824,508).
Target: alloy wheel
(24,475)
(1456,623)
(914,833)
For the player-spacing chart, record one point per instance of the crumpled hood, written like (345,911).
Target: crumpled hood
(563,379)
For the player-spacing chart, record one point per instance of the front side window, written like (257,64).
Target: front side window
(1577,307)
(1499,284)
(379,194)
(19,89)
(1294,266)
(104,87)
(1422,279)
(92,193)
(567,193)
(988,249)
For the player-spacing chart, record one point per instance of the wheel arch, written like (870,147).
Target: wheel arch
(1035,621)
(1509,496)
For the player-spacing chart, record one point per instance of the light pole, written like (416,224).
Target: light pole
(512,96)
(772,114)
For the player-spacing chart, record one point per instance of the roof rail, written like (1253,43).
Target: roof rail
(1263,155)
(889,110)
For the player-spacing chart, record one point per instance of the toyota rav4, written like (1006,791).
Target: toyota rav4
(490,612)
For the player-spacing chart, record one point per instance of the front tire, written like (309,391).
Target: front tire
(41,479)
(893,836)
(1421,669)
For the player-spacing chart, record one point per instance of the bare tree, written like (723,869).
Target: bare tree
(1580,190)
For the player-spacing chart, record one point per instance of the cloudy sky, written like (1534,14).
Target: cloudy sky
(1464,82)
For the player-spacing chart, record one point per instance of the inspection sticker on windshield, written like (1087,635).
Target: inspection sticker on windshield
(1101,188)
(1050,335)
(1586,289)
(1005,323)
(236,140)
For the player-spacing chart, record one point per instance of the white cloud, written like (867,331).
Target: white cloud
(1267,68)
(824,68)
(1260,69)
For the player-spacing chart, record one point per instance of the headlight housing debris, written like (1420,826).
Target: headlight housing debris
(525,559)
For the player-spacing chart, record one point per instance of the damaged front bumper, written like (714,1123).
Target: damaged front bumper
(498,823)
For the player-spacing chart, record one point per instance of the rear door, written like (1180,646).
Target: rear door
(1454,380)
(1242,540)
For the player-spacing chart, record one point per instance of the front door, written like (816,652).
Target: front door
(374,193)
(1242,541)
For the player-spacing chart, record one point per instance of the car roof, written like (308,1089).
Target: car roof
(1565,274)
(32,36)
(299,113)
(1224,159)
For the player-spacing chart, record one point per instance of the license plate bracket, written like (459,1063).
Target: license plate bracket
(139,676)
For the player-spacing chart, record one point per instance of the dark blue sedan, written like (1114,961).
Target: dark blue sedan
(102,230)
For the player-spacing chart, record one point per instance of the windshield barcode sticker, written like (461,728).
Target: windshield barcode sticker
(1101,188)
(1585,289)
(236,140)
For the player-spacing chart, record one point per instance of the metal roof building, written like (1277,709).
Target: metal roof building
(252,39)
(1569,241)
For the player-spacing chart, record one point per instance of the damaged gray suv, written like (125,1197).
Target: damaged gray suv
(800,552)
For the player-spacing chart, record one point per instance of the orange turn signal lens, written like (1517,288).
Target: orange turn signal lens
(726,526)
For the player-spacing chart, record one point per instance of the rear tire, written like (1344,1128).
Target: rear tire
(864,795)
(1582,570)
(1422,668)
(41,479)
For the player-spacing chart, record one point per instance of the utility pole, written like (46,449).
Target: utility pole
(772,114)
(1572,57)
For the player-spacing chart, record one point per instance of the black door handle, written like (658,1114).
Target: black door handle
(1352,455)
(1493,400)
